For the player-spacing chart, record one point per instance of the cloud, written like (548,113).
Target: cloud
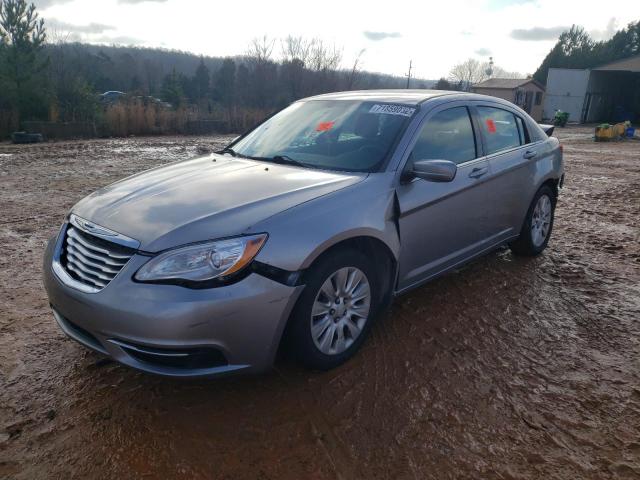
(483,52)
(118,40)
(375,36)
(42,4)
(499,4)
(609,31)
(68,27)
(537,33)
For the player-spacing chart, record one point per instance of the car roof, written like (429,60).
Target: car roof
(409,97)
(416,97)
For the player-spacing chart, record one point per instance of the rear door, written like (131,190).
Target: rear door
(512,156)
(442,224)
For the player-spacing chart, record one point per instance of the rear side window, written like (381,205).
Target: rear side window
(500,129)
(448,135)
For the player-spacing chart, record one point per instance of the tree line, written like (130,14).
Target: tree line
(576,49)
(45,77)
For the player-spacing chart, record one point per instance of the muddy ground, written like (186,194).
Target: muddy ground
(508,368)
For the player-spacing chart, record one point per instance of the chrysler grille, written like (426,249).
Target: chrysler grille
(92,260)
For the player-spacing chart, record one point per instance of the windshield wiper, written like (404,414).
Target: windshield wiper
(279,159)
(231,151)
(286,160)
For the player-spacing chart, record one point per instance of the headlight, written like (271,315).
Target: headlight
(204,261)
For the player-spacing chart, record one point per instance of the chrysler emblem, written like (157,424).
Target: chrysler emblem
(103,232)
(95,229)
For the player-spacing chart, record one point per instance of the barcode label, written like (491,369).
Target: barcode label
(393,110)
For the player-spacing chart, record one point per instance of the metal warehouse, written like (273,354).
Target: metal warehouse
(610,92)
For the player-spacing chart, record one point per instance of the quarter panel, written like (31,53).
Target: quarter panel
(299,235)
(517,180)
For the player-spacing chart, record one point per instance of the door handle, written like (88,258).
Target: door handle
(477,172)
(530,154)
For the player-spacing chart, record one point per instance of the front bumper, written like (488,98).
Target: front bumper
(172,330)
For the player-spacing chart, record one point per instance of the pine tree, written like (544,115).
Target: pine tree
(22,36)
(172,91)
(201,80)
(576,49)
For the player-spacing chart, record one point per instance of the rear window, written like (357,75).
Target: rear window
(500,129)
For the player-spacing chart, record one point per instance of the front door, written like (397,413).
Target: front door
(442,224)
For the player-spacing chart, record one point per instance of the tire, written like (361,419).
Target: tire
(537,227)
(316,313)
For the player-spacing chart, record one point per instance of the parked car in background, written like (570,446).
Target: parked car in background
(112,96)
(300,232)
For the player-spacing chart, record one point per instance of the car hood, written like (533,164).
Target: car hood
(204,198)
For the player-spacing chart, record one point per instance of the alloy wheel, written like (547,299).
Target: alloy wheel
(541,220)
(340,310)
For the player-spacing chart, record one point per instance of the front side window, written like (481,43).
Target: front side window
(448,135)
(329,134)
(500,129)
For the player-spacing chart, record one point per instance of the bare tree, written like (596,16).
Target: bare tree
(323,56)
(260,49)
(355,70)
(295,49)
(296,52)
(468,72)
(471,71)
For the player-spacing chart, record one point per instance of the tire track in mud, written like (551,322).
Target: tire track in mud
(508,368)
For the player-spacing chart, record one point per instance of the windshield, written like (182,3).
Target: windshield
(328,134)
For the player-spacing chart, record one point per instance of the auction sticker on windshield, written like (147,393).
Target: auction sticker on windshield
(324,126)
(392,110)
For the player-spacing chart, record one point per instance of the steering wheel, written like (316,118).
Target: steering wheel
(371,150)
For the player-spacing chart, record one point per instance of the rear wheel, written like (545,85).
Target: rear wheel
(336,310)
(538,224)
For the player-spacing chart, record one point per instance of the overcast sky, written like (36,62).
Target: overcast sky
(435,35)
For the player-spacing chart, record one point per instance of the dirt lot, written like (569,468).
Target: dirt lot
(509,368)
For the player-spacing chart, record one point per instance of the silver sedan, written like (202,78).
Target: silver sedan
(299,233)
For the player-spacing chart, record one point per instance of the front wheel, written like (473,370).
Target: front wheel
(335,311)
(538,224)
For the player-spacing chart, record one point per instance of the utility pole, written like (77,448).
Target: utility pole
(409,74)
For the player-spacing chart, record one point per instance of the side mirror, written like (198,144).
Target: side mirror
(434,170)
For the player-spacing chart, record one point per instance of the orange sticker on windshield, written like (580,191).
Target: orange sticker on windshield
(324,126)
(491,126)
